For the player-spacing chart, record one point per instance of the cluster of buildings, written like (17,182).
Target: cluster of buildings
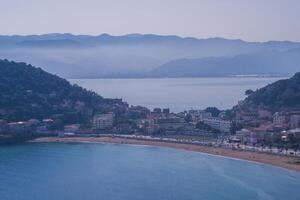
(26,128)
(140,120)
(126,120)
(103,121)
(260,125)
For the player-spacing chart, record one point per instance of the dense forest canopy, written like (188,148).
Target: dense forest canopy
(28,92)
(281,94)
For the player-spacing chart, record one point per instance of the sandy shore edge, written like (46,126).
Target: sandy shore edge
(269,159)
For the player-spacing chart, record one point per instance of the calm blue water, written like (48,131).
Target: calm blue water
(179,94)
(118,172)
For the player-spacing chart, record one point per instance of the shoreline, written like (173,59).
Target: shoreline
(261,158)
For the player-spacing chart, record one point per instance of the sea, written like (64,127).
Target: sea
(127,172)
(178,94)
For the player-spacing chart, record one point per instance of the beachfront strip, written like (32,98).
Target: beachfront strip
(259,130)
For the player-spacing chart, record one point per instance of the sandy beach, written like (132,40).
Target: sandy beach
(275,160)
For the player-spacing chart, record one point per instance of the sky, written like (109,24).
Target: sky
(251,20)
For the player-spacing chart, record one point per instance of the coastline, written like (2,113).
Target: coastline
(263,158)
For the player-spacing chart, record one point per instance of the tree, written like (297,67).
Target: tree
(270,146)
(286,148)
(188,118)
(249,92)
(235,127)
(213,110)
(202,126)
(295,148)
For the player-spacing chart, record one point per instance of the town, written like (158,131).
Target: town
(134,120)
(240,128)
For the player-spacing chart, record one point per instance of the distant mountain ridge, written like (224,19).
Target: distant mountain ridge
(132,55)
(104,39)
(262,63)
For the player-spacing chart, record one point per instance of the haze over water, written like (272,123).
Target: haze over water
(117,172)
(178,94)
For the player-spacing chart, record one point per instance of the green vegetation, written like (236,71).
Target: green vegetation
(281,94)
(202,126)
(28,92)
(248,92)
(213,110)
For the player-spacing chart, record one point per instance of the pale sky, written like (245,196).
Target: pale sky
(251,20)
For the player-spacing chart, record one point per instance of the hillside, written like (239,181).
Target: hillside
(133,55)
(28,92)
(279,95)
(271,63)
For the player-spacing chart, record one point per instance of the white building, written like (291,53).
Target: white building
(222,125)
(103,121)
(199,115)
(246,136)
(278,119)
(18,126)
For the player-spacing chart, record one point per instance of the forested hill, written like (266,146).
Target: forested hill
(28,92)
(281,94)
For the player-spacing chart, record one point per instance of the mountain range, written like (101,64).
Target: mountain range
(138,55)
(272,63)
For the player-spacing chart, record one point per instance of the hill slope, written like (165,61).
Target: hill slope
(279,95)
(27,92)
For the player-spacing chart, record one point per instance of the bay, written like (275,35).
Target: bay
(178,94)
(115,172)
